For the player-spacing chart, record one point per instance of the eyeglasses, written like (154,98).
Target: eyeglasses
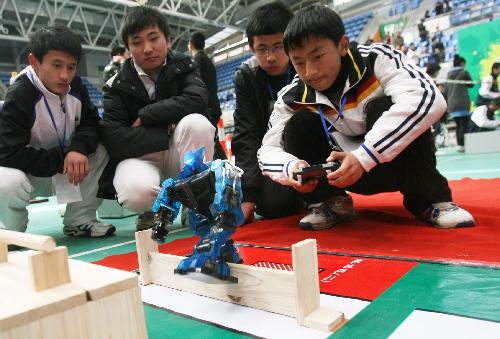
(265,51)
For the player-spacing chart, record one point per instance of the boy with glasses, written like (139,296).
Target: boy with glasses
(257,83)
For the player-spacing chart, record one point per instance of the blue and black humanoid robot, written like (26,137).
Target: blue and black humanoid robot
(212,192)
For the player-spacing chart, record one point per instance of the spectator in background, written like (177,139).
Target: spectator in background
(257,83)
(457,95)
(427,14)
(438,9)
(398,40)
(209,76)
(483,118)
(437,50)
(422,31)
(118,56)
(446,6)
(489,86)
(412,53)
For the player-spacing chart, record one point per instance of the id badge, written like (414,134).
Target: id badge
(66,192)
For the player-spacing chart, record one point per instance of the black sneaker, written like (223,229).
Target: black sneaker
(145,221)
(92,229)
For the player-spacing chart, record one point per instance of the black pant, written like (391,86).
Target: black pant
(413,172)
(462,128)
(274,200)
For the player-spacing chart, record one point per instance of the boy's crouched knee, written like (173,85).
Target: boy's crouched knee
(197,125)
(14,183)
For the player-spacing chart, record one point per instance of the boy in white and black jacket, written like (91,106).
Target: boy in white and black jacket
(48,128)
(371,94)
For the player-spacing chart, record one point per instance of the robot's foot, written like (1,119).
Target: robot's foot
(214,274)
(184,272)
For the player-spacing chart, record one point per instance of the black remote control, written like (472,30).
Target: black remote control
(315,171)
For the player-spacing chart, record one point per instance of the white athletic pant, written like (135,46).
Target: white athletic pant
(137,181)
(17,188)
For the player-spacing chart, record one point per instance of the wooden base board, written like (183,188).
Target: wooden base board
(294,294)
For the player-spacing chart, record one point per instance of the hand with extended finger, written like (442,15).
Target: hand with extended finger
(349,172)
(76,167)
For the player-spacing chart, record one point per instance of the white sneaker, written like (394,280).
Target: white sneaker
(92,229)
(329,213)
(447,215)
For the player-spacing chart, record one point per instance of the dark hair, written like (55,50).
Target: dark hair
(432,69)
(268,19)
(142,17)
(495,66)
(457,60)
(197,41)
(58,38)
(495,101)
(313,21)
(117,50)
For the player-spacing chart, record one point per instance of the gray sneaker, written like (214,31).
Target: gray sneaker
(329,213)
(447,215)
(92,229)
(145,221)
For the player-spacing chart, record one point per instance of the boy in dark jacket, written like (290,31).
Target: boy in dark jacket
(150,117)
(257,83)
(49,139)
(368,107)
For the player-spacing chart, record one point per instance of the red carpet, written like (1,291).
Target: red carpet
(383,227)
(362,278)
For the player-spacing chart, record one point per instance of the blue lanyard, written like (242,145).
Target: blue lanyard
(61,142)
(323,121)
(288,79)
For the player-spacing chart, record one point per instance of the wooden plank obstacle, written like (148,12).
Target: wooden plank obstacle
(43,295)
(295,294)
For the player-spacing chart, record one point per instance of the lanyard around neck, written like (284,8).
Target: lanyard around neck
(326,129)
(288,79)
(61,142)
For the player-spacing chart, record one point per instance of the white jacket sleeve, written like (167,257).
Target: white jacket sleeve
(485,89)
(480,118)
(417,104)
(273,160)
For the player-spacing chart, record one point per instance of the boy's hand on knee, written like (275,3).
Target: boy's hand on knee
(349,172)
(76,167)
(305,187)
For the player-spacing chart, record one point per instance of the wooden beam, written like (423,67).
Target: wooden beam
(145,246)
(305,266)
(33,241)
(49,269)
(3,251)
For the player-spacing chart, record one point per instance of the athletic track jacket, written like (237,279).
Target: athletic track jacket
(28,140)
(374,71)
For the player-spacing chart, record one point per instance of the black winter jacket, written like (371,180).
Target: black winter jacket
(251,118)
(209,76)
(180,92)
(24,109)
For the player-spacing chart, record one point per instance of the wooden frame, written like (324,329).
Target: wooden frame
(46,296)
(294,294)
